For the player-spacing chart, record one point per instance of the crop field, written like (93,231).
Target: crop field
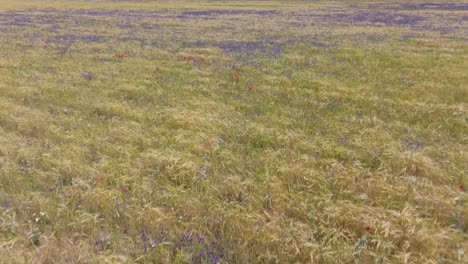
(233,131)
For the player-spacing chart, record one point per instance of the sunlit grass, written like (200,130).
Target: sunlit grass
(324,143)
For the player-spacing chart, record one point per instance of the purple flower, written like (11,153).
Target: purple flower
(411,144)
(88,76)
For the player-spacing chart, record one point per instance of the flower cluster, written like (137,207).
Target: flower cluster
(157,69)
(38,216)
(120,56)
(196,247)
(202,171)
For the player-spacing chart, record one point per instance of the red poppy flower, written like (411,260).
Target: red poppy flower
(368,228)
(462,187)
(120,56)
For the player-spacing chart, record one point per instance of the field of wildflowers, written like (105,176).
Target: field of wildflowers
(233,131)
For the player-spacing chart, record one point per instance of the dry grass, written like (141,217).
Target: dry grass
(353,151)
